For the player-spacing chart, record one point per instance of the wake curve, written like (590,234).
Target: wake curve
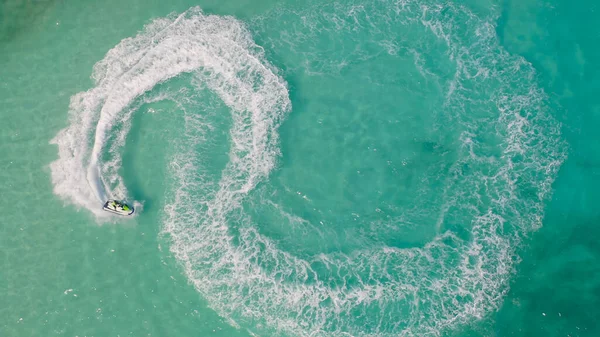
(248,279)
(210,45)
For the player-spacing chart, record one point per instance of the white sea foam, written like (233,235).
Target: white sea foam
(246,277)
(399,292)
(218,49)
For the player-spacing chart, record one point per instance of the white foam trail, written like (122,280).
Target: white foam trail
(186,43)
(247,278)
(399,292)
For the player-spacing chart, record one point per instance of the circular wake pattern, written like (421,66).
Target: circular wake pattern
(217,50)
(510,152)
(509,156)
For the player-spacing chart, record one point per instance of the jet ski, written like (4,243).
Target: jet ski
(118,207)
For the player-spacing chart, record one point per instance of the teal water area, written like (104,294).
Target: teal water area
(559,269)
(357,168)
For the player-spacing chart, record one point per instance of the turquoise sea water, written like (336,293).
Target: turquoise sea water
(300,168)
